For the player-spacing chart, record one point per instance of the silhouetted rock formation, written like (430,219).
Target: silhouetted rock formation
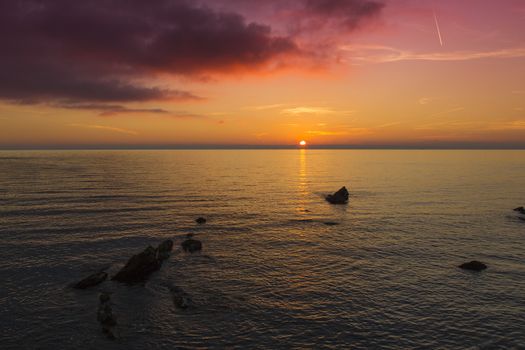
(92,280)
(191,245)
(105,315)
(520,210)
(200,220)
(140,266)
(473,266)
(181,299)
(339,197)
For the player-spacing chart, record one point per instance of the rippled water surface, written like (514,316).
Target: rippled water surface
(271,274)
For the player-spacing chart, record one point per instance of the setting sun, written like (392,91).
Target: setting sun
(302,143)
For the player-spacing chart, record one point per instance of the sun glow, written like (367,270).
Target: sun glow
(302,143)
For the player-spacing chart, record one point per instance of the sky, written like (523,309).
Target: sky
(168,73)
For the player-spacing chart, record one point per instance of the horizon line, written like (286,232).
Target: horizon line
(452,146)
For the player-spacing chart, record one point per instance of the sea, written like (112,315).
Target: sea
(280,267)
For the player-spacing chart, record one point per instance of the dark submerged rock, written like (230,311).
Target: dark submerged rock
(139,267)
(91,281)
(473,266)
(181,299)
(200,220)
(164,249)
(105,315)
(330,223)
(191,245)
(520,210)
(339,197)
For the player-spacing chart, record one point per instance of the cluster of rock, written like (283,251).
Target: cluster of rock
(137,270)
(139,267)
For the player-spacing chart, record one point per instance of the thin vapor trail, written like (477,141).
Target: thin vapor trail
(437,27)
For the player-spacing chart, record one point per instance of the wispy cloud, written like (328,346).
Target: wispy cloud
(448,111)
(312,110)
(425,100)
(449,124)
(509,125)
(266,107)
(104,127)
(109,109)
(388,125)
(347,132)
(384,54)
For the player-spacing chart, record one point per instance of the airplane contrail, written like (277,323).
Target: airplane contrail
(437,27)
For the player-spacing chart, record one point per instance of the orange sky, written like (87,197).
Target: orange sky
(387,81)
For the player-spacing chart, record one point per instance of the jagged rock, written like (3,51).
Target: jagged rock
(191,245)
(473,266)
(164,249)
(92,280)
(139,267)
(189,235)
(339,197)
(520,210)
(181,299)
(200,220)
(105,315)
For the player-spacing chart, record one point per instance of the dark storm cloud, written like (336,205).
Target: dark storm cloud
(104,51)
(99,50)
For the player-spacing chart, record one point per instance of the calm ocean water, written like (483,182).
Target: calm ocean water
(271,274)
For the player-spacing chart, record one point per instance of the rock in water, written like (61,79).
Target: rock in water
(181,299)
(105,315)
(200,220)
(473,266)
(139,267)
(520,210)
(339,197)
(91,280)
(330,223)
(191,245)
(164,249)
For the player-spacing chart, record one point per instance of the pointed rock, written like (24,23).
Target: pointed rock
(139,267)
(339,197)
(520,210)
